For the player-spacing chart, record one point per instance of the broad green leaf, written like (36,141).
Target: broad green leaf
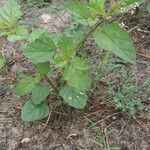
(76,31)
(41,50)
(81,64)
(66,51)
(31,112)
(55,37)
(84,21)
(39,93)
(60,61)
(9,13)
(25,85)
(74,98)
(81,12)
(43,68)
(20,34)
(35,35)
(77,8)
(115,39)
(77,77)
(97,6)
(40,32)
(66,46)
(2,61)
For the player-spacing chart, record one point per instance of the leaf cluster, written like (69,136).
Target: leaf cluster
(124,97)
(10,14)
(48,52)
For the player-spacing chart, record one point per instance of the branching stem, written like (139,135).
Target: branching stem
(52,84)
(99,22)
(81,43)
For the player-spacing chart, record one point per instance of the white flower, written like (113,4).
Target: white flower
(122,24)
(132,12)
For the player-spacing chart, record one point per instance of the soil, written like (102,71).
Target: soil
(68,128)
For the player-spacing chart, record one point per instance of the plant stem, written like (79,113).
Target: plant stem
(99,22)
(102,66)
(51,84)
(92,29)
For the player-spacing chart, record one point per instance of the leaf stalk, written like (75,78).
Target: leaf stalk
(52,84)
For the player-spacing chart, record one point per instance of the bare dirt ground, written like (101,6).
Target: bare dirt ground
(70,129)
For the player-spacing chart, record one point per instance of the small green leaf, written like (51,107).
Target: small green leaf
(97,6)
(80,12)
(60,61)
(20,34)
(9,13)
(41,50)
(39,93)
(77,77)
(35,35)
(43,68)
(86,22)
(76,31)
(66,46)
(2,61)
(53,36)
(74,98)
(25,85)
(66,51)
(30,112)
(115,39)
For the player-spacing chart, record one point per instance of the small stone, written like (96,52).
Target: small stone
(114,117)
(25,140)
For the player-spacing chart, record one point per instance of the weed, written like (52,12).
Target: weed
(66,53)
(102,135)
(125,96)
(10,13)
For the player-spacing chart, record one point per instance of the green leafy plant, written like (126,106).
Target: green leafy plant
(66,53)
(124,97)
(10,13)
(31,112)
